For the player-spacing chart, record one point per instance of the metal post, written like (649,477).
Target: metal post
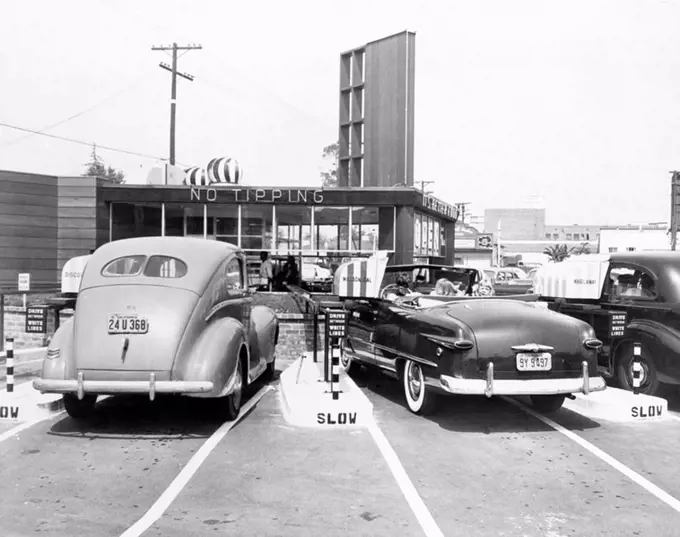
(637,368)
(326,353)
(315,313)
(335,369)
(2,322)
(10,364)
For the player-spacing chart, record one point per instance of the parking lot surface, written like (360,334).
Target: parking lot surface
(480,467)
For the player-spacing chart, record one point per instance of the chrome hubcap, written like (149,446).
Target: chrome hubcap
(415,380)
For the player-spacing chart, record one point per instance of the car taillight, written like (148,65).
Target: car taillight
(463,345)
(592,343)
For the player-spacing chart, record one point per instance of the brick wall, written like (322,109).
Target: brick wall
(296,333)
(15,326)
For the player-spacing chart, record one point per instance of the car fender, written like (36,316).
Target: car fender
(60,367)
(264,333)
(214,356)
(656,335)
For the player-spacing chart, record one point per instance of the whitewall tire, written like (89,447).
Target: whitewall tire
(419,398)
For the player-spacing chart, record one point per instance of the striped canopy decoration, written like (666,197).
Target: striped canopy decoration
(196,176)
(224,170)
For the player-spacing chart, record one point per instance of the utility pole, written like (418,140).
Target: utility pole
(422,185)
(173,95)
(462,210)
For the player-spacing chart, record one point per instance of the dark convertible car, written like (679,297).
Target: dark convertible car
(471,345)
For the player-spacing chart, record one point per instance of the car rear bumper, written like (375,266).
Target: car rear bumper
(106,387)
(491,386)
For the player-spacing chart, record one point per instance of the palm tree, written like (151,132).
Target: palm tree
(558,253)
(581,249)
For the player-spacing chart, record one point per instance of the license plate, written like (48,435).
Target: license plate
(529,361)
(128,324)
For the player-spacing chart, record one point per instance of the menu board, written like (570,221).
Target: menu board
(417,233)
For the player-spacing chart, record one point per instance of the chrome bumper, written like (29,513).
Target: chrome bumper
(113,387)
(584,384)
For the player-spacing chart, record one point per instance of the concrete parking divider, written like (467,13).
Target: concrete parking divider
(614,404)
(307,400)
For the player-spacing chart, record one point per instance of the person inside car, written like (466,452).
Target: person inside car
(444,287)
(401,289)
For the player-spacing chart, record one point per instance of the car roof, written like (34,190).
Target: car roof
(405,268)
(202,257)
(654,260)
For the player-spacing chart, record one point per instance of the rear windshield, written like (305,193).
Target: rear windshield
(155,266)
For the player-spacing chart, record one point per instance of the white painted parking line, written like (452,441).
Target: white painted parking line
(650,487)
(409,491)
(178,484)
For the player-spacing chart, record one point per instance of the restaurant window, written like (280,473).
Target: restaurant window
(417,233)
(225,222)
(547,236)
(194,214)
(556,236)
(365,229)
(568,236)
(436,236)
(136,220)
(293,228)
(174,220)
(331,227)
(587,236)
(257,231)
(424,234)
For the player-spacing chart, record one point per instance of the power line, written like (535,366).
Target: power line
(173,95)
(74,116)
(138,18)
(89,144)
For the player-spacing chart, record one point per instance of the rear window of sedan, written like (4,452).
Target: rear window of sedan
(155,266)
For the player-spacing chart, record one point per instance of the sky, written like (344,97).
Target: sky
(571,105)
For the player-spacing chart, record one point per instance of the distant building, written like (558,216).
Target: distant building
(633,238)
(573,232)
(516,224)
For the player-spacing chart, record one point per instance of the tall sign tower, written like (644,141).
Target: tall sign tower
(377,83)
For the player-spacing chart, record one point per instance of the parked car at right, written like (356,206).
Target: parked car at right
(628,298)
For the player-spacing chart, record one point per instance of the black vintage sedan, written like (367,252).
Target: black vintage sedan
(468,345)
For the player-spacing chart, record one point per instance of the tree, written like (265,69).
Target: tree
(96,168)
(558,253)
(329,154)
(581,249)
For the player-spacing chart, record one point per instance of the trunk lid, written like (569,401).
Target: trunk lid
(500,325)
(130,327)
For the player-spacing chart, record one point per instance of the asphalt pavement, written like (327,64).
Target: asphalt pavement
(476,468)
